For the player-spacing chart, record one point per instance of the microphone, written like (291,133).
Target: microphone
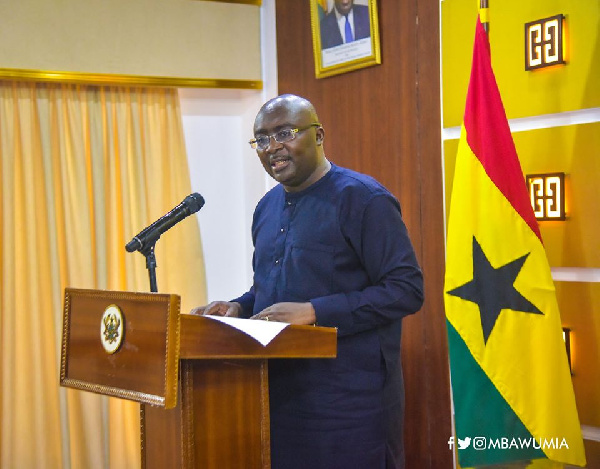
(148,236)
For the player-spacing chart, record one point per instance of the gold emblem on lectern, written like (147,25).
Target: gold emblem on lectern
(111,328)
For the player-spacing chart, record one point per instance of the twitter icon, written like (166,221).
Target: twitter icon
(464,444)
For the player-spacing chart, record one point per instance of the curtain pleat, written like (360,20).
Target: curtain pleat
(83,169)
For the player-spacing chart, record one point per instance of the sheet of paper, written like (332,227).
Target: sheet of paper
(261,331)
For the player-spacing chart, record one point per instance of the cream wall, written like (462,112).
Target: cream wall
(228,177)
(170,38)
(226,171)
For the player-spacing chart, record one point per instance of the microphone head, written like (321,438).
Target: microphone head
(193,202)
(133,245)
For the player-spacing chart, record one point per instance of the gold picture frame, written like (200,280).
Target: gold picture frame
(333,55)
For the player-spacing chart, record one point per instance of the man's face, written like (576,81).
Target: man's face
(344,6)
(293,164)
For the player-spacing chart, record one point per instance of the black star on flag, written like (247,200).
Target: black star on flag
(493,289)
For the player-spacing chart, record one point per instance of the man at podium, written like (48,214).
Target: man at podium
(330,249)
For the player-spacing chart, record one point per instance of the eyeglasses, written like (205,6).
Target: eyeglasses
(262,142)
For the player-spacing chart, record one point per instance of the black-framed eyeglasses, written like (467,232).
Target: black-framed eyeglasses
(262,142)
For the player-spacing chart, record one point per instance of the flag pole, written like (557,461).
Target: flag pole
(483,15)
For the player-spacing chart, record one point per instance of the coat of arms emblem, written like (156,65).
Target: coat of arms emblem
(111,329)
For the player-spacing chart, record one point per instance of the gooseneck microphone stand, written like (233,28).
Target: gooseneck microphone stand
(148,252)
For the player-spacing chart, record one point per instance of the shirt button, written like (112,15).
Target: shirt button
(277,261)
(282,230)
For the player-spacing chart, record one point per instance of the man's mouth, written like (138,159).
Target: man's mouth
(278,164)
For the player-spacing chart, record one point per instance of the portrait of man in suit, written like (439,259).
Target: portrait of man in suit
(345,23)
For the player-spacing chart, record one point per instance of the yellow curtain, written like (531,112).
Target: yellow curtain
(83,169)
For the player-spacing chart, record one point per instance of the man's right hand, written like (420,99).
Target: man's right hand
(219,308)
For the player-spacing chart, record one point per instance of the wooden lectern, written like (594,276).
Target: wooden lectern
(203,385)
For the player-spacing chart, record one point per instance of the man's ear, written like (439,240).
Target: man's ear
(320,135)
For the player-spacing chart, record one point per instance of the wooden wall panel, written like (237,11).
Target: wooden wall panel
(385,121)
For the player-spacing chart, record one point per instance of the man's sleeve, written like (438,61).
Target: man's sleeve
(247,303)
(382,243)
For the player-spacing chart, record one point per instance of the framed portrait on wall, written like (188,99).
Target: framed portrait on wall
(345,35)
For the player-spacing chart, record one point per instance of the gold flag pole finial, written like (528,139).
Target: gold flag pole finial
(484,15)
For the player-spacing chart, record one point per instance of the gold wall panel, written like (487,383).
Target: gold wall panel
(580,311)
(450,149)
(573,150)
(192,42)
(546,91)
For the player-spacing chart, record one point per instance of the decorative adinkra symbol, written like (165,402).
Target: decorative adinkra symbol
(547,194)
(544,42)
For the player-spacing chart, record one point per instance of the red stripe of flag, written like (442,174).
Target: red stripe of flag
(488,133)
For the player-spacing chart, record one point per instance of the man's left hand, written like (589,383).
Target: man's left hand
(292,313)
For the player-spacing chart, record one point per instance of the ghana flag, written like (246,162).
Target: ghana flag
(511,385)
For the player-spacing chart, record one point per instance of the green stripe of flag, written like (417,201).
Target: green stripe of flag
(482,412)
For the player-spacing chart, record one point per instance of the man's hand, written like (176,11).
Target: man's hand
(219,308)
(292,313)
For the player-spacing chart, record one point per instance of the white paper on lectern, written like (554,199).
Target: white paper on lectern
(261,331)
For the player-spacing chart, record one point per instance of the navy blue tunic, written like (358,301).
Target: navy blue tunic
(342,245)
